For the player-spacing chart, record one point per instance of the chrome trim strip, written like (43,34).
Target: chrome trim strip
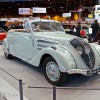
(46,41)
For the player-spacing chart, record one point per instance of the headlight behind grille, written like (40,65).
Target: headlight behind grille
(79,50)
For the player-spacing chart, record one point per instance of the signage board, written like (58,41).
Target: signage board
(90,15)
(66,14)
(89,19)
(25,11)
(39,10)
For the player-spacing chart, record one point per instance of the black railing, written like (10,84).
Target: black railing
(20,83)
(53,88)
(71,88)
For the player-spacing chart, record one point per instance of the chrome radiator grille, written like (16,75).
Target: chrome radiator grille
(87,53)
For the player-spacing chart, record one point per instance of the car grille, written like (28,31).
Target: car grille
(88,58)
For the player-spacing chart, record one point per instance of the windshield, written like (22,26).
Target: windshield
(47,26)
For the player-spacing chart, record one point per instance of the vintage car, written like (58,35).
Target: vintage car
(47,45)
(2,34)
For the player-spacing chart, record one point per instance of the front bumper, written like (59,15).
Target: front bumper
(84,72)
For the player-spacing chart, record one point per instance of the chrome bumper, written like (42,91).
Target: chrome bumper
(84,72)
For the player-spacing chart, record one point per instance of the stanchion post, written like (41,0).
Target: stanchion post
(21,89)
(54,92)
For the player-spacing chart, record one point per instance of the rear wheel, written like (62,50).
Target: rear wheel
(8,56)
(52,72)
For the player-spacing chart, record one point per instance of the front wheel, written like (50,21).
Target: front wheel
(52,72)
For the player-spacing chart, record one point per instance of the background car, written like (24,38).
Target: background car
(3,34)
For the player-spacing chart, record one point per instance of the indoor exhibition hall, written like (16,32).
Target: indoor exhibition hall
(49,49)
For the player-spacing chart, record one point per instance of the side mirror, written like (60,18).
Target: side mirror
(82,33)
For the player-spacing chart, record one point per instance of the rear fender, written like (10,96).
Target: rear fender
(5,45)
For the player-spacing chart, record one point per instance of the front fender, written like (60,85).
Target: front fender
(63,58)
(96,49)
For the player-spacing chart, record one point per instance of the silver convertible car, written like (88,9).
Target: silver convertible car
(46,44)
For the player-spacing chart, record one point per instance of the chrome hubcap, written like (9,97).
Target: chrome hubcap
(52,71)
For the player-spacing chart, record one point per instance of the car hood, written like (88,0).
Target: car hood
(60,36)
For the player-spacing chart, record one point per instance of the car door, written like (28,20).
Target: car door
(24,45)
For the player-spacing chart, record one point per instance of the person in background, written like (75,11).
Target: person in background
(85,27)
(95,28)
(97,38)
(26,25)
(78,29)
